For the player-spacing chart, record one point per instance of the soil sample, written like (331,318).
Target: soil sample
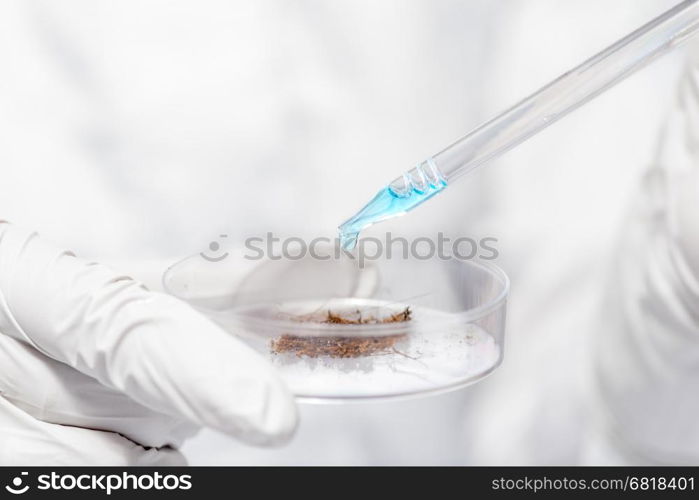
(338,346)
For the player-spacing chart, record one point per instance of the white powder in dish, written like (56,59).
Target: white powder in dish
(429,358)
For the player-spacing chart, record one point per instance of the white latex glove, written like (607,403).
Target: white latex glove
(648,351)
(96,369)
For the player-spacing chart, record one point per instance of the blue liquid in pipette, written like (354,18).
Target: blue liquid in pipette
(385,205)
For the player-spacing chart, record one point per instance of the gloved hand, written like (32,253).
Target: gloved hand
(96,369)
(647,351)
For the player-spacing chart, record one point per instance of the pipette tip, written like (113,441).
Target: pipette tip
(385,205)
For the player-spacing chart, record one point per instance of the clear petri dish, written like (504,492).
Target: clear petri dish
(340,332)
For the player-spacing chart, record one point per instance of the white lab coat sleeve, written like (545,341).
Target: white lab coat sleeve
(646,385)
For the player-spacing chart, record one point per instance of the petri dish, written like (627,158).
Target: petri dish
(339,332)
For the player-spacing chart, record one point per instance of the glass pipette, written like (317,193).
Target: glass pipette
(550,103)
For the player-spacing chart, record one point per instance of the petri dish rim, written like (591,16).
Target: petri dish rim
(400,396)
(275,325)
(272,327)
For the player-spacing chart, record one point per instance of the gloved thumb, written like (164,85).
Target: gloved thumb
(153,347)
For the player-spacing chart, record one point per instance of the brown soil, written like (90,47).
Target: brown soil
(341,347)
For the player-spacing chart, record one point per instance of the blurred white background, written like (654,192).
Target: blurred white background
(141,130)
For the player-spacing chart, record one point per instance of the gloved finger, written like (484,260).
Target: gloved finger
(214,284)
(56,393)
(28,441)
(153,347)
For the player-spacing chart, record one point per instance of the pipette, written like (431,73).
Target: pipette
(549,104)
